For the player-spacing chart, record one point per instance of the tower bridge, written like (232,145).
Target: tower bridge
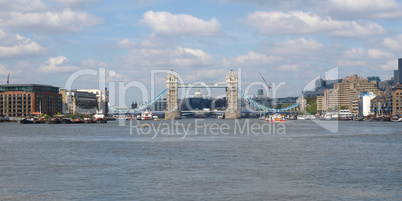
(203,85)
(231,85)
(232,97)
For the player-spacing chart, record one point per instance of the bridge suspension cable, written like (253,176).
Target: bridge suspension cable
(254,103)
(141,107)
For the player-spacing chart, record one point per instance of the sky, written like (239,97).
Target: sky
(287,41)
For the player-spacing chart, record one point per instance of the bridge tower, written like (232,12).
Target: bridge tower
(232,96)
(172,111)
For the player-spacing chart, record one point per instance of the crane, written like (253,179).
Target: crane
(269,86)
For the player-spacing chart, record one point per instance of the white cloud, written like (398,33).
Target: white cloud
(180,24)
(12,45)
(394,43)
(5,71)
(369,59)
(282,56)
(179,56)
(57,64)
(340,9)
(379,54)
(358,29)
(298,22)
(354,53)
(126,43)
(22,5)
(75,3)
(281,4)
(297,47)
(252,59)
(363,9)
(363,54)
(48,22)
(390,65)
(289,68)
(93,64)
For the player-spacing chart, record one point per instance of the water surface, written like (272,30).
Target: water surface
(362,161)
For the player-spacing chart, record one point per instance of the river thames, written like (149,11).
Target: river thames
(204,159)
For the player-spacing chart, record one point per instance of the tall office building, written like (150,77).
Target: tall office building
(399,70)
(354,85)
(396,77)
(374,78)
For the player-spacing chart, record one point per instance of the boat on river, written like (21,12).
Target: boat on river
(99,117)
(26,121)
(77,121)
(345,115)
(396,118)
(275,118)
(146,115)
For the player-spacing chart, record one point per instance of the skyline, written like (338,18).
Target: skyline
(45,42)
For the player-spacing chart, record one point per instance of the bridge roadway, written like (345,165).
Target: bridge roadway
(191,112)
(203,85)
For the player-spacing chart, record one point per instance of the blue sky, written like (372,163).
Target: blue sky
(287,41)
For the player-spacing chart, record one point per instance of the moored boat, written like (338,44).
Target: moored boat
(88,120)
(99,117)
(4,119)
(276,118)
(66,121)
(54,121)
(291,117)
(26,121)
(146,115)
(396,118)
(77,121)
(345,115)
(39,122)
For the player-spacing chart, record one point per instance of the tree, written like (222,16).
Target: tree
(312,109)
(286,105)
(312,105)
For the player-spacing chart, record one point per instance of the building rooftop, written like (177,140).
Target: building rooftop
(28,88)
(25,85)
(397,86)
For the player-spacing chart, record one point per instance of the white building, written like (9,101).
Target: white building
(366,102)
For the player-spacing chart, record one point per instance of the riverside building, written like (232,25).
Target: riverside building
(354,85)
(79,102)
(396,100)
(346,93)
(20,100)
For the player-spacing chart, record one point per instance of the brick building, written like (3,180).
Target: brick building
(19,100)
(396,93)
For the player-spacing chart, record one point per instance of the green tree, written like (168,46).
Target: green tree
(311,105)
(286,105)
(312,109)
